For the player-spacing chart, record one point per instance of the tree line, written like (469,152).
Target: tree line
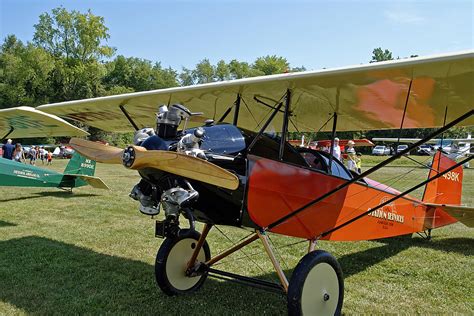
(68,59)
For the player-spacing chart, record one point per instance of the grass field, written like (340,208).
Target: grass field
(92,252)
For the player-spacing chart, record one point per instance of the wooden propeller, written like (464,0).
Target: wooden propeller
(97,151)
(136,157)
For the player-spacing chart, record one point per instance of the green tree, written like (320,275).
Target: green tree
(204,72)
(270,65)
(222,71)
(24,73)
(75,40)
(239,70)
(298,69)
(381,55)
(73,35)
(138,74)
(186,77)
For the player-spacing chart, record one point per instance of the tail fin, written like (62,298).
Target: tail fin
(445,190)
(80,165)
(448,188)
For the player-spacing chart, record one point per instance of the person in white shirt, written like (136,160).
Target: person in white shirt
(351,156)
(42,154)
(336,151)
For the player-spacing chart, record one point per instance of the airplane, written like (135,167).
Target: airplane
(78,172)
(236,170)
(25,122)
(451,147)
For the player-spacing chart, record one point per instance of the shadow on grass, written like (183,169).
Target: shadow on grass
(463,246)
(6,224)
(43,276)
(359,261)
(58,194)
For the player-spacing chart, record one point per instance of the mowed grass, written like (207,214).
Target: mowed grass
(92,252)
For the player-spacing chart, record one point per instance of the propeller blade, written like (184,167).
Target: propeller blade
(136,157)
(97,151)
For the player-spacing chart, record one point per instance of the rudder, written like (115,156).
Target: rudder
(445,190)
(80,165)
(448,188)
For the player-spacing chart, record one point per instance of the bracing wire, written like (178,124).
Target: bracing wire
(245,253)
(248,109)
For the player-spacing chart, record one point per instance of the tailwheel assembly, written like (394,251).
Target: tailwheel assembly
(172,262)
(316,286)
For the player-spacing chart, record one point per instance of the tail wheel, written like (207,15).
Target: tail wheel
(316,286)
(172,260)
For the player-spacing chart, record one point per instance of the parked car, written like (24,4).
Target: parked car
(381,150)
(402,148)
(424,150)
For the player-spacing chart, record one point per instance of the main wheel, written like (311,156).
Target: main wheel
(316,286)
(171,262)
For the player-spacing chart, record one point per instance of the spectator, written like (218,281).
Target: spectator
(18,153)
(336,151)
(50,158)
(351,156)
(42,154)
(8,149)
(33,155)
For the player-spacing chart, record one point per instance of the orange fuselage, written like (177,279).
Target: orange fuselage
(275,189)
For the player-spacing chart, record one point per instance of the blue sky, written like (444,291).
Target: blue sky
(315,34)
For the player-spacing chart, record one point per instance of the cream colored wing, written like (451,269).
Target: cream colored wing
(365,97)
(27,122)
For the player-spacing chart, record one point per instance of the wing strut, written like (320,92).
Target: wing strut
(404,114)
(129,118)
(444,123)
(236,111)
(237,108)
(6,135)
(284,128)
(373,169)
(333,135)
(264,127)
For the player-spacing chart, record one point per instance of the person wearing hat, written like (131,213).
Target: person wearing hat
(351,156)
(336,150)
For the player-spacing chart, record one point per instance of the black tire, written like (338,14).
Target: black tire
(316,286)
(171,261)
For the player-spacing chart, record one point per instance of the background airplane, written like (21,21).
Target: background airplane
(26,122)
(78,172)
(455,148)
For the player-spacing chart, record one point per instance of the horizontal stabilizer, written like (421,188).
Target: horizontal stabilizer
(92,181)
(464,214)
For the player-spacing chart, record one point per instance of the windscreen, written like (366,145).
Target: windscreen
(221,139)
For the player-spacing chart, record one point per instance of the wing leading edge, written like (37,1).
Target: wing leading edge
(366,97)
(26,122)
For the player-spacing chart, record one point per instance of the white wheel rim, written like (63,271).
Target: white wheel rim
(177,262)
(320,291)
